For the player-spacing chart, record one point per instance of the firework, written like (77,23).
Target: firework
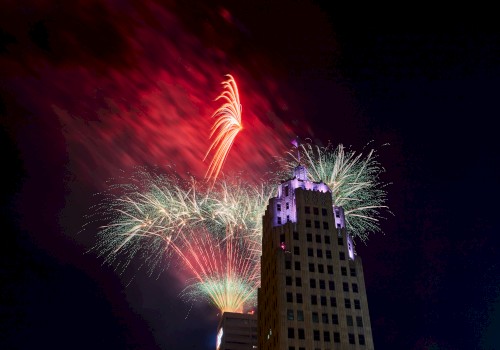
(354,179)
(215,231)
(225,128)
(226,270)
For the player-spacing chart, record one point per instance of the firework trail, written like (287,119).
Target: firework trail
(354,179)
(216,233)
(226,126)
(226,270)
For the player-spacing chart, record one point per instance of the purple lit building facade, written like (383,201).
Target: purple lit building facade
(312,293)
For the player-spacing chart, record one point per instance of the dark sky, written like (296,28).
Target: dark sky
(90,90)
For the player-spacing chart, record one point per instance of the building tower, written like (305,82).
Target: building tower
(312,293)
(237,331)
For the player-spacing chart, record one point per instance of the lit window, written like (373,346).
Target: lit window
(289,314)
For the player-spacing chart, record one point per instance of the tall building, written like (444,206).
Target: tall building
(237,331)
(312,293)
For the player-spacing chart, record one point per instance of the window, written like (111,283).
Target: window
(278,207)
(308,223)
(343,271)
(315,317)
(355,287)
(333,301)
(327,239)
(299,298)
(291,348)
(279,220)
(351,338)
(298,281)
(353,272)
(316,334)
(287,192)
(310,252)
(359,321)
(349,320)
(295,235)
(340,241)
(316,224)
(300,315)
(335,319)
(321,268)
(347,303)
(324,318)
(331,285)
(296,250)
(301,333)
(321,284)
(289,314)
(282,237)
(288,264)
(357,305)
(314,300)
(312,283)
(309,237)
(341,255)
(345,286)
(287,205)
(307,210)
(323,300)
(311,267)
(324,212)
(291,333)
(288,218)
(336,337)
(329,269)
(319,253)
(289,297)
(325,225)
(361,339)
(326,336)
(288,280)
(316,211)
(297,265)
(318,238)
(337,213)
(328,254)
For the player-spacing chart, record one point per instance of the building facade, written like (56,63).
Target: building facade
(312,293)
(237,331)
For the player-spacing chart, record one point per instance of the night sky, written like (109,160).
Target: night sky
(90,91)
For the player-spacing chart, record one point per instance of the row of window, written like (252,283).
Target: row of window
(322,299)
(317,224)
(324,318)
(326,336)
(321,268)
(322,284)
(340,240)
(307,210)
